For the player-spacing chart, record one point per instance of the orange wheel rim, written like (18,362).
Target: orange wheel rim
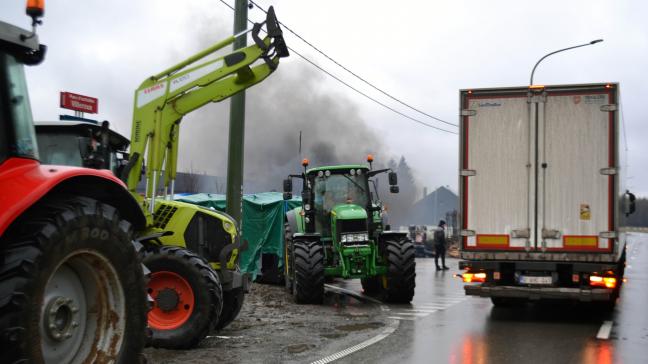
(181,306)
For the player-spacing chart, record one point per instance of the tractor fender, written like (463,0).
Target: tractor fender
(25,182)
(311,237)
(291,219)
(392,235)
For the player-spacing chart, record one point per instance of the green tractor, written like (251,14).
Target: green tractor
(338,232)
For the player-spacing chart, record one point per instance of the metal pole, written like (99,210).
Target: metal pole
(558,51)
(236,127)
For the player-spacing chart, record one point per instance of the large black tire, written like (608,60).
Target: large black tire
(232,304)
(71,286)
(505,302)
(173,328)
(399,282)
(371,285)
(288,257)
(308,279)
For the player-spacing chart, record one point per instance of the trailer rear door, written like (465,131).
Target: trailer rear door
(576,178)
(496,175)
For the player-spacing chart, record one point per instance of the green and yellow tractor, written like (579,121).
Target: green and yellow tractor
(338,232)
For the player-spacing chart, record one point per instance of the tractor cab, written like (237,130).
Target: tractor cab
(16,131)
(82,143)
(341,198)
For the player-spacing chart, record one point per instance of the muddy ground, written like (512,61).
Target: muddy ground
(273,329)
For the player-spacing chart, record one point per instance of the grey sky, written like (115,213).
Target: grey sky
(420,51)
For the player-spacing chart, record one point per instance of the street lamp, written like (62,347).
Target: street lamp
(558,51)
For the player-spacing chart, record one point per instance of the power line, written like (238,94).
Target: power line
(356,75)
(355,89)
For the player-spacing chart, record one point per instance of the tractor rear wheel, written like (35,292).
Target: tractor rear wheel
(71,286)
(187,295)
(398,284)
(308,279)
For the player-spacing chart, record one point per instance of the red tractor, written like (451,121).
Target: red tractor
(71,285)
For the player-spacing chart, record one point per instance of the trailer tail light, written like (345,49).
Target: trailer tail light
(607,282)
(474,277)
(575,278)
(497,276)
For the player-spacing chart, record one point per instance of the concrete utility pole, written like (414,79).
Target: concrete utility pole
(237,127)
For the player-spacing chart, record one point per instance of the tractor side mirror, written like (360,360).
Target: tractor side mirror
(393,179)
(630,204)
(287,189)
(394,189)
(287,185)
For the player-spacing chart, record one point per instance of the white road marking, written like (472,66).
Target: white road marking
(604,331)
(421,310)
(402,318)
(339,355)
(413,314)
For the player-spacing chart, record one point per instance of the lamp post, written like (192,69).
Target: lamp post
(558,51)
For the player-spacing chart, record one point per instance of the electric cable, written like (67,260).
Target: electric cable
(353,88)
(355,74)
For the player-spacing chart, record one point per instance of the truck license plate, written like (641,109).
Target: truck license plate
(535,280)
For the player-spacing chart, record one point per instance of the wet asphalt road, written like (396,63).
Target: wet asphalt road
(444,326)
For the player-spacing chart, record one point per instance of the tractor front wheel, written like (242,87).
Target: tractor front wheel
(398,284)
(308,279)
(187,297)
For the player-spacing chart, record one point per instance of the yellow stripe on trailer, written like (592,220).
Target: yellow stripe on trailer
(492,240)
(588,241)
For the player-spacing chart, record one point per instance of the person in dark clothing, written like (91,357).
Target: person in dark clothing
(440,245)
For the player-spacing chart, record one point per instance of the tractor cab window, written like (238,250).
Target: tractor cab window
(336,189)
(60,149)
(16,111)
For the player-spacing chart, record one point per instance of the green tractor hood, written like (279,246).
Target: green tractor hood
(348,212)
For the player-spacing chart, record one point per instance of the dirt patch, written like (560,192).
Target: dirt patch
(271,328)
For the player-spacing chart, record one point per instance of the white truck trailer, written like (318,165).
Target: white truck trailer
(542,193)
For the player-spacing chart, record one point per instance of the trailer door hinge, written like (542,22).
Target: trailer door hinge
(468,172)
(609,107)
(609,171)
(468,112)
(550,234)
(608,235)
(466,232)
(521,233)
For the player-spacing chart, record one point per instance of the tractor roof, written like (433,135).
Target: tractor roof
(117,141)
(338,167)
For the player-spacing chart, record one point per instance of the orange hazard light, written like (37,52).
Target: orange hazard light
(305,162)
(35,8)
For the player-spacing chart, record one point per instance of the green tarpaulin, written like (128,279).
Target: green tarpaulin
(263,223)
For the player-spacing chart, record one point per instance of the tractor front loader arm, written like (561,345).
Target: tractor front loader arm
(163,99)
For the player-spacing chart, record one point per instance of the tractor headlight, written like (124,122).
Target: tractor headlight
(354,238)
(227,226)
(307,207)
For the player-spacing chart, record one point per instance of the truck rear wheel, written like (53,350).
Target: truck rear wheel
(72,287)
(399,282)
(308,279)
(187,295)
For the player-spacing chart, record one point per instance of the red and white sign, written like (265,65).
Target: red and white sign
(79,102)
